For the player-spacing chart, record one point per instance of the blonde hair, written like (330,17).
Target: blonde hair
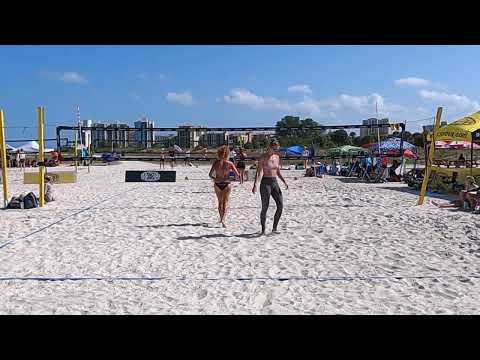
(470,179)
(222,153)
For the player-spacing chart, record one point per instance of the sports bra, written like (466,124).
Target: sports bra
(276,163)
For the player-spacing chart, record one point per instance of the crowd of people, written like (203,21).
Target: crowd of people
(20,159)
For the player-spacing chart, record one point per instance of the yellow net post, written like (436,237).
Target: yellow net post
(76,152)
(3,153)
(428,165)
(41,158)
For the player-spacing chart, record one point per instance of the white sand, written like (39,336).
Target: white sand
(169,232)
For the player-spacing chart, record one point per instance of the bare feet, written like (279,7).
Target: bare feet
(223,224)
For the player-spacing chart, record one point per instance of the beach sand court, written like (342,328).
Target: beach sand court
(110,247)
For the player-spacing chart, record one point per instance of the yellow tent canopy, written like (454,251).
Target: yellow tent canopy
(464,129)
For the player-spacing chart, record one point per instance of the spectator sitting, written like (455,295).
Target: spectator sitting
(54,156)
(49,196)
(392,175)
(467,198)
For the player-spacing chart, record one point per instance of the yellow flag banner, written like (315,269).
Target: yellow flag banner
(460,130)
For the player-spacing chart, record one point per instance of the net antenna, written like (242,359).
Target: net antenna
(378,129)
(79,124)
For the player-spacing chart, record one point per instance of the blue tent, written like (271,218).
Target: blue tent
(393,144)
(293,150)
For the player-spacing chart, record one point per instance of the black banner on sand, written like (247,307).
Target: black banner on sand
(150,176)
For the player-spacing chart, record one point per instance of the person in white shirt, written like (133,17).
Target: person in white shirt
(49,196)
(232,155)
(187,158)
(305,155)
(22,158)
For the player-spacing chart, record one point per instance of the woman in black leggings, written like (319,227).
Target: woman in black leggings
(268,170)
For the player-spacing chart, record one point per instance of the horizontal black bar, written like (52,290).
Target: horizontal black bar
(267,128)
(167,159)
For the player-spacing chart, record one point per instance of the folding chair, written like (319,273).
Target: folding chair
(365,175)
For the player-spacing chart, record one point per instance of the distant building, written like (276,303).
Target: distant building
(109,135)
(239,137)
(117,135)
(189,136)
(373,131)
(145,135)
(261,136)
(99,136)
(213,139)
(165,141)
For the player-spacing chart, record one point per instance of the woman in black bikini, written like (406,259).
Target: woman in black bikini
(241,164)
(171,154)
(162,160)
(220,173)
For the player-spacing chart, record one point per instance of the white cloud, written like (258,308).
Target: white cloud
(247,98)
(367,104)
(412,81)
(457,102)
(305,89)
(184,98)
(70,77)
(363,105)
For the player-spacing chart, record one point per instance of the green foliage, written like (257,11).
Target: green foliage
(305,137)
(302,136)
(339,137)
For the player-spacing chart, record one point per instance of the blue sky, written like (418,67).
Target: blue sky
(236,85)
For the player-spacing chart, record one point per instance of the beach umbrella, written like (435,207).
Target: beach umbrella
(393,144)
(409,154)
(32,147)
(441,144)
(461,145)
(292,150)
(345,150)
(177,148)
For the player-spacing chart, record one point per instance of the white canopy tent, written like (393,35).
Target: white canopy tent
(10,148)
(32,147)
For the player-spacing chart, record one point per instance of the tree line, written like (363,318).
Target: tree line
(323,139)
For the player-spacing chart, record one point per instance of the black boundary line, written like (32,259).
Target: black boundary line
(290,278)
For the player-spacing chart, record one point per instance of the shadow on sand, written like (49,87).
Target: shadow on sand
(209,236)
(446,197)
(170,225)
(402,187)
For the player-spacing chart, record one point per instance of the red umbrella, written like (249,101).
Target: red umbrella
(408,154)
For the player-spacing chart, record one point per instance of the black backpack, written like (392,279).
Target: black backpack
(16,202)
(30,201)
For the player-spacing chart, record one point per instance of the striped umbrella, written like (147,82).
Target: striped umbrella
(393,144)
